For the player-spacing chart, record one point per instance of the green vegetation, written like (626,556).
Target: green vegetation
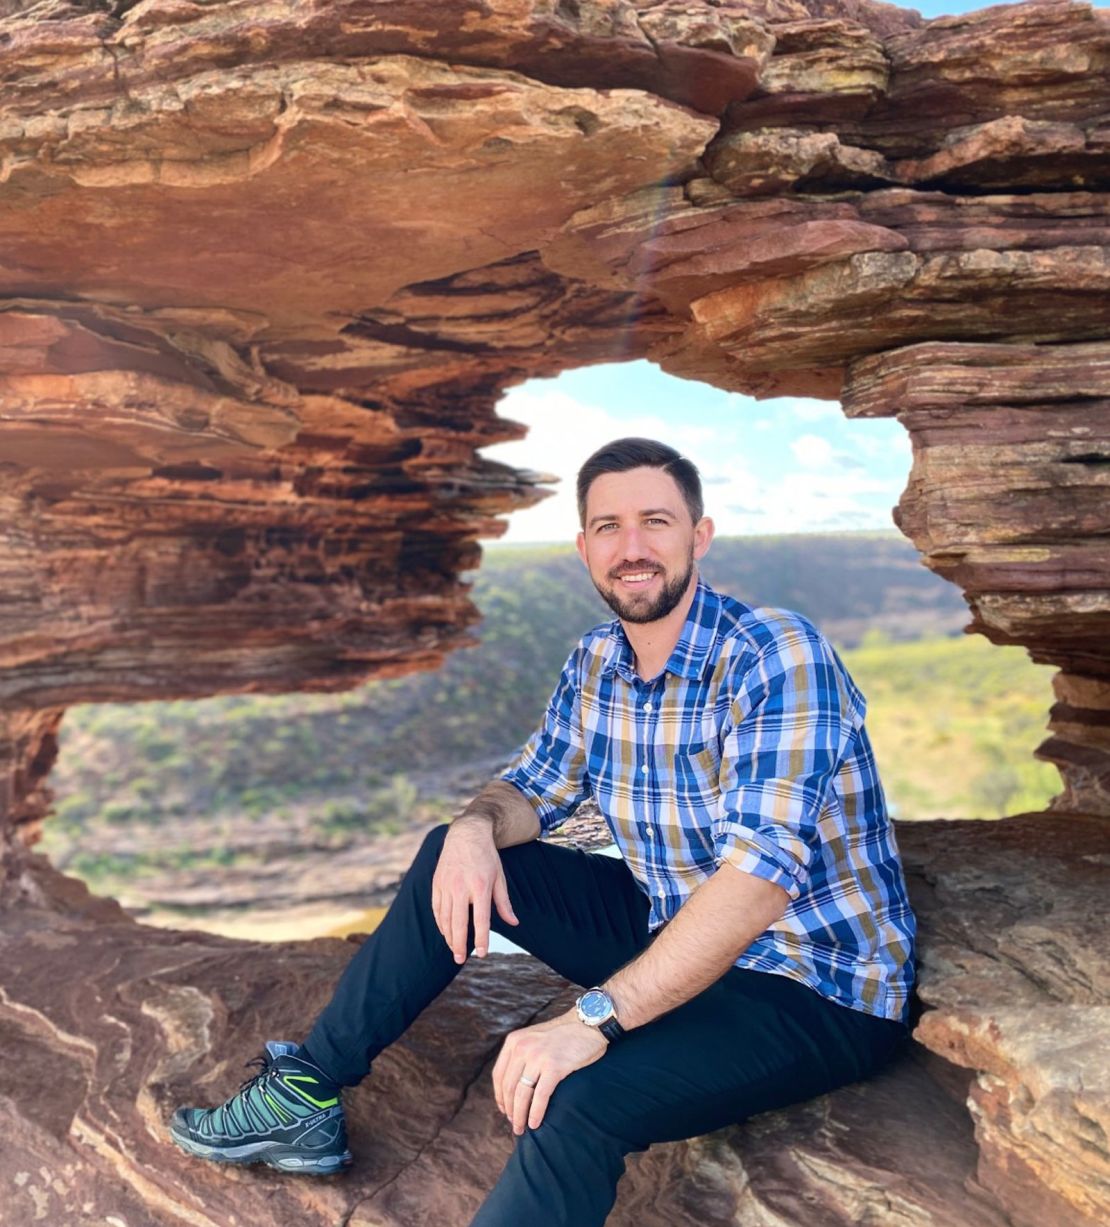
(102,867)
(954,720)
(954,723)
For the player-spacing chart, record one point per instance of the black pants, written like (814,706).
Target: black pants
(751,1042)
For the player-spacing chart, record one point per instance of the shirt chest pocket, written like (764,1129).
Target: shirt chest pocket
(697,771)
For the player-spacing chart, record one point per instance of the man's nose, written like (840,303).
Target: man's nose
(632,543)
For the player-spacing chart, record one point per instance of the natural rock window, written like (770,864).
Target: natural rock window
(266,272)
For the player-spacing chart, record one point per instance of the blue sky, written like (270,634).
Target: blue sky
(783,465)
(938,8)
(773,466)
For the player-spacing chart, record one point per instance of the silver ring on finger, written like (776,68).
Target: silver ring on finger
(528,1081)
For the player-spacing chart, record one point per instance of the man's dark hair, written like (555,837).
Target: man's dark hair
(624,454)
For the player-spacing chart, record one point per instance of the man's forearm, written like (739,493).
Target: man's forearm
(711,930)
(510,818)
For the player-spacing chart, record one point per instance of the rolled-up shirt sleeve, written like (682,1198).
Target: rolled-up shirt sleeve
(551,770)
(794,715)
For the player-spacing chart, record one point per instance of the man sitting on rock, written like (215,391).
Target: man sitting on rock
(753,947)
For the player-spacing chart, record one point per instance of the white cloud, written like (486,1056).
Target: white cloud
(802,501)
(562,433)
(812,451)
(890,443)
(819,494)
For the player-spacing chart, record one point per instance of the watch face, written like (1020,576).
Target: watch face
(595,1005)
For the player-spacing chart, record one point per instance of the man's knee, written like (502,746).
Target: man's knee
(579,1116)
(558,1174)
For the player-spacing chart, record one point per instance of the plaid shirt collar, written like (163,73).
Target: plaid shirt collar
(691,653)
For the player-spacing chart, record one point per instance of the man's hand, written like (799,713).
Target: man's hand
(544,1055)
(469,875)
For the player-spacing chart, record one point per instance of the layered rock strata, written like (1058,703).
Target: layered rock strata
(1009,497)
(28,748)
(1015,987)
(265,272)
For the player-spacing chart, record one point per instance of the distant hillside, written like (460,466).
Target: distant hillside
(954,719)
(847,583)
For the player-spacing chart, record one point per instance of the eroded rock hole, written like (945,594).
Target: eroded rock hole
(288,815)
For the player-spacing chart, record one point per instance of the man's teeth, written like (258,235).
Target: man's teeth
(640,575)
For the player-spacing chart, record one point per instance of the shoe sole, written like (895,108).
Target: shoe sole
(273,1154)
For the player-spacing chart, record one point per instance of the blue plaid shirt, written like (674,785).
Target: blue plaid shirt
(749,747)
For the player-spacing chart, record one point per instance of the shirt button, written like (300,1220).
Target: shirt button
(644,769)
(647,707)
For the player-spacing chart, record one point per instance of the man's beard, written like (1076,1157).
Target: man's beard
(639,609)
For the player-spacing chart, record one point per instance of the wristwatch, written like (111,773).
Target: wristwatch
(595,1009)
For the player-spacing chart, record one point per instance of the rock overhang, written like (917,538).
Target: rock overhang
(237,332)
(266,269)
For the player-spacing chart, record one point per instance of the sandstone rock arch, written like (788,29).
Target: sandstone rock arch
(267,268)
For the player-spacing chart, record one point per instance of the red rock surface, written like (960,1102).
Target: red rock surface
(154,1018)
(1012,427)
(1014,979)
(266,271)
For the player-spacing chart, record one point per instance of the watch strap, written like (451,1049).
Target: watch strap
(612,1030)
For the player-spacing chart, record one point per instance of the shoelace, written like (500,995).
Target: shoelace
(264,1066)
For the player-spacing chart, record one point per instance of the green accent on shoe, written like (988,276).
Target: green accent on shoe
(289,1079)
(280,1112)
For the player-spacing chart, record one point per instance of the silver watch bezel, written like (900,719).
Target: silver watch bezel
(595,1020)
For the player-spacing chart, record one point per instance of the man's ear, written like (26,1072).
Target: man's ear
(580,546)
(703,535)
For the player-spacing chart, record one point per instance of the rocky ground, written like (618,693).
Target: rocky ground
(994,1118)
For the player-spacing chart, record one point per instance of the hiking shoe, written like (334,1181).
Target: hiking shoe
(288,1116)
